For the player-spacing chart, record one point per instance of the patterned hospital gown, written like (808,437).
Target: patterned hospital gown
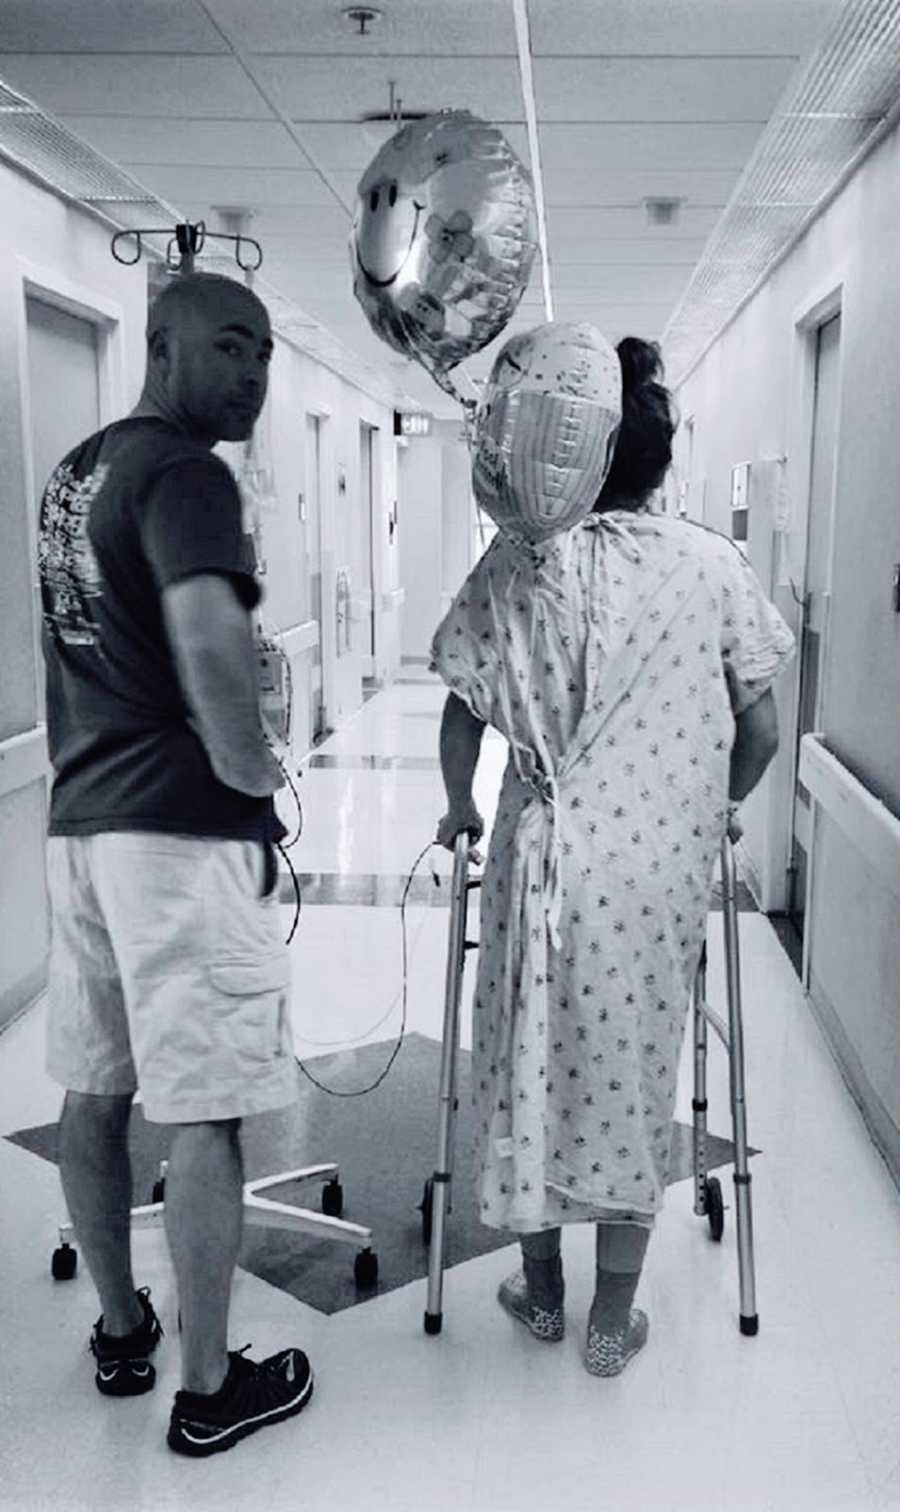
(601,655)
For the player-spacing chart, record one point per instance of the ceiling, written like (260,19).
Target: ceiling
(255,105)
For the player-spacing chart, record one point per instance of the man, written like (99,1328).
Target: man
(168,970)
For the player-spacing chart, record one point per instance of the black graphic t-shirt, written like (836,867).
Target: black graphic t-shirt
(132,509)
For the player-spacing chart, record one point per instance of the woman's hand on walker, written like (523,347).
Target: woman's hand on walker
(735,828)
(466,817)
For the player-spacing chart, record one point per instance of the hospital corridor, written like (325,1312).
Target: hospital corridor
(449,776)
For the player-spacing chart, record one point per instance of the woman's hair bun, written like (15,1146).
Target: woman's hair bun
(641,363)
(643,450)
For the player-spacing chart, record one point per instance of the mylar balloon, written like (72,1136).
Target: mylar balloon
(545,429)
(443,238)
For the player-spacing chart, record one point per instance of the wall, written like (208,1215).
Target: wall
(65,251)
(435,529)
(419,540)
(299,386)
(457,512)
(750,399)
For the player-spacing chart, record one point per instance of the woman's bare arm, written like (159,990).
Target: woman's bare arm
(461,734)
(755,743)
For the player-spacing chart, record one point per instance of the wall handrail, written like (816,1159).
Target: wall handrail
(867,822)
(23,759)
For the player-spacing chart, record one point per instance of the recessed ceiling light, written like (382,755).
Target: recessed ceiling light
(662,211)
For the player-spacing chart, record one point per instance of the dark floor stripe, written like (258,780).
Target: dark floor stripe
(371,890)
(366,889)
(377,763)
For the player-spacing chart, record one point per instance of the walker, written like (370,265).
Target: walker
(435,1207)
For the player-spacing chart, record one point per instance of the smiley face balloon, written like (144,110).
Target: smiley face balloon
(443,238)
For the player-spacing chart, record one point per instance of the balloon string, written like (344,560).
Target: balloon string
(439,374)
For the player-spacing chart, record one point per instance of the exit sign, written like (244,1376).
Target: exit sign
(411,424)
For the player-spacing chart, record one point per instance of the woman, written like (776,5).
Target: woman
(628,661)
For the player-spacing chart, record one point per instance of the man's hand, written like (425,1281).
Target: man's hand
(462,817)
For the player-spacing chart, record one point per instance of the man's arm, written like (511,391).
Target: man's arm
(755,743)
(212,642)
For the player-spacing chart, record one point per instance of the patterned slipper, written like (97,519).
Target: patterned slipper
(546,1323)
(608,1354)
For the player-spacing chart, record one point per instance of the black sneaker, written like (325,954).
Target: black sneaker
(252,1396)
(122,1365)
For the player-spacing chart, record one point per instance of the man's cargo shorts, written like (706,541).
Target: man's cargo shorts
(169,974)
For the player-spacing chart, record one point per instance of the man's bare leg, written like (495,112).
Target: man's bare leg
(204,1223)
(96,1176)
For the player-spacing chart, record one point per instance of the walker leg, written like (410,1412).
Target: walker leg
(443,1173)
(749,1318)
(699,1104)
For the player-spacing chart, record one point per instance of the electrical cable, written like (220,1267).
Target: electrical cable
(364,1091)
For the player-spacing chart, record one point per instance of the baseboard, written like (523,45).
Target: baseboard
(883,1129)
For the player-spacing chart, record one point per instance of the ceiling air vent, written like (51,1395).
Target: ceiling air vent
(662,212)
(395,115)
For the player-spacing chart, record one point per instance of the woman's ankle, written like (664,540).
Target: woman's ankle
(544,1278)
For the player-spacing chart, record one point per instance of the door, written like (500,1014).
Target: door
(314,569)
(64,399)
(367,554)
(816,592)
(62,377)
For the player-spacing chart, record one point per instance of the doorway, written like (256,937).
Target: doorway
(64,403)
(313,551)
(367,435)
(61,381)
(815,595)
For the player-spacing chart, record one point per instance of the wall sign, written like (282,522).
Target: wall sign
(411,424)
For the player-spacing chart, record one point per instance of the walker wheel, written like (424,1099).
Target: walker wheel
(64,1263)
(333,1198)
(426,1208)
(715,1208)
(365,1269)
(159,1190)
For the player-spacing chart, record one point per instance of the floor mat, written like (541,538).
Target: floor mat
(385,1144)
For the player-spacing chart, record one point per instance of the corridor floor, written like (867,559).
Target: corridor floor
(803,1418)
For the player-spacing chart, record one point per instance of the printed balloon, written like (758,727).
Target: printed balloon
(443,239)
(545,429)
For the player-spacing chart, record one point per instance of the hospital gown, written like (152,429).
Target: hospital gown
(601,656)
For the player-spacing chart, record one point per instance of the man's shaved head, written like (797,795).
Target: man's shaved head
(209,344)
(207,295)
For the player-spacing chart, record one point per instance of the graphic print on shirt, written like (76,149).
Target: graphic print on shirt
(70,572)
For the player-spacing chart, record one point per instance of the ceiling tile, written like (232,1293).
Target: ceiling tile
(98,26)
(625,281)
(629,146)
(179,142)
(460,28)
(703,27)
(659,89)
(597,183)
(630,251)
(131,85)
(304,88)
(350,147)
(251,188)
(584,227)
